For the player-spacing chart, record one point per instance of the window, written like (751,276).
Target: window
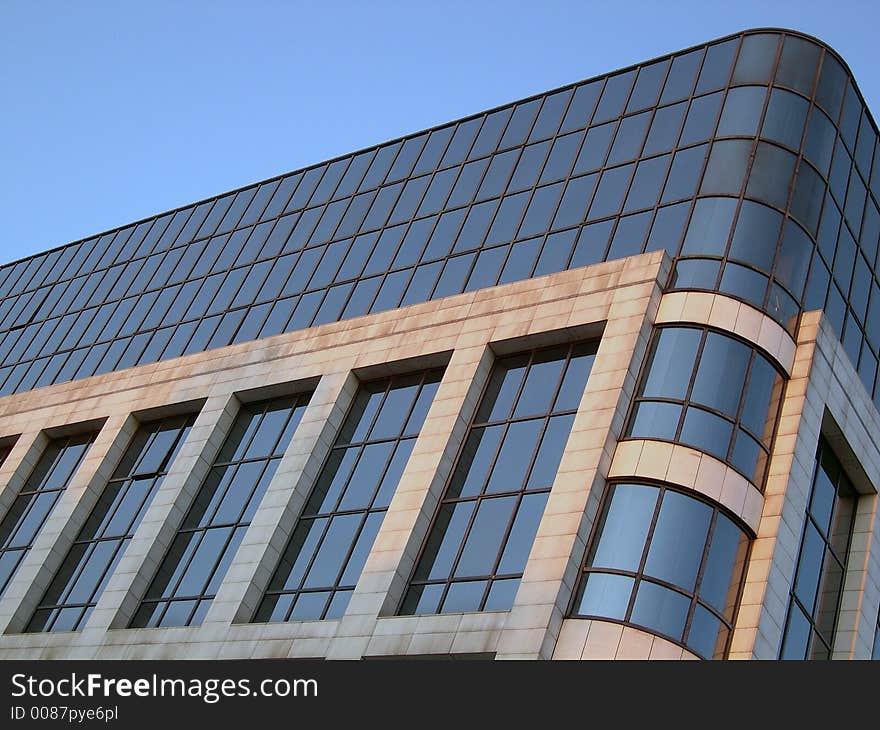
(191,572)
(481,536)
(38,496)
(821,566)
(666,562)
(89,563)
(326,554)
(712,392)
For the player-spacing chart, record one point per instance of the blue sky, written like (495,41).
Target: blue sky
(113,111)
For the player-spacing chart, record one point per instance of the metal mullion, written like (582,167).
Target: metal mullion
(209,521)
(482,496)
(57,606)
(34,492)
(328,520)
(583,568)
(826,550)
(509,493)
(343,513)
(345,486)
(711,142)
(799,158)
(689,391)
(381,478)
(151,439)
(171,595)
(378,409)
(127,536)
(165,465)
(345,560)
(239,520)
(94,592)
(707,545)
(641,575)
(640,572)
(513,107)
(740,407)
(162,605)
(347,159)
(519,151)
(234,224)
(335,447)
(520,419)
(193,610)
(438,165)
(295,403)
(318,545)
(189,530)
(260,416)
(814,631)
(468,579)
(534,458)
(42,520)
(202,595)
(497,562)
(395,440)
(75,574)
(82,615)
(563,372)
(50,473)
(388,389)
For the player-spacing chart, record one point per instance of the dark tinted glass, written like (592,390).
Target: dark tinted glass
(646,534)
(100,544)
(192,570)
(815,598)
(330,543)
(731,387)
(36,499)
(478,545)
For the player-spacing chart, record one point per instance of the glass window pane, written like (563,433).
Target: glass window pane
(581,107)
(725,563)
(707,432)
(624,527)
(678,540)
(481,549)
(721,373)
(716,66)
(785,118)
(682,75)
(707,636)
(742,112)
(605,595)
(700,122)
(522,534)
(614,96)
(660,609)
(655,420)
(664,129)
(647,86)
(671,363)
(797,64)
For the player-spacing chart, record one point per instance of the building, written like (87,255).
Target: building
(590,375)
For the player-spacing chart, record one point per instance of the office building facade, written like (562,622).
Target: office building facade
(590,375)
